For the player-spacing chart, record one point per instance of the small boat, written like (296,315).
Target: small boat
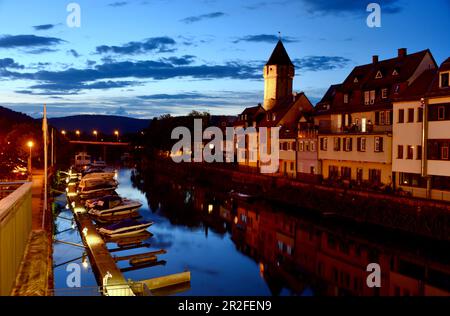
(112,205)
(100,175)
(95,187)
(111,219)
(127,227)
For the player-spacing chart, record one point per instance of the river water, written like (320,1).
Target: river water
(238,246)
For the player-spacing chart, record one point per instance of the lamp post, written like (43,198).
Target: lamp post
(78,133)
(30,145)
(95,134)
(117,134)
(63,132)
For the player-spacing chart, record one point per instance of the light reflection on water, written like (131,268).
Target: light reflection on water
(251,249)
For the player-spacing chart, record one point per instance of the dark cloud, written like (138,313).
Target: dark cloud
(74,53)
(44,27)
(346,6)
(320,63)
(156,44)
(267,38)
(180,61)
(198,18)
(28,41)
(10,63)
(118,4)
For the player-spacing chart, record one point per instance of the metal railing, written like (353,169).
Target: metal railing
(15,227)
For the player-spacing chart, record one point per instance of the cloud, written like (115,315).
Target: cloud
(118,4)
(28,41)
(10,63)
(321,63)
(180,61)
(44,27)
(74,53)
(346,6)
(198,18)
(180,96)
(155,44)
(266,38)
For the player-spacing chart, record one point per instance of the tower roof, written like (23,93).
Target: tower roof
(280,56)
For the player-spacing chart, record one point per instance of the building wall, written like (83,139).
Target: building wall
(307,158)
(277,84)
(386,169)
(406,134)
(356,156)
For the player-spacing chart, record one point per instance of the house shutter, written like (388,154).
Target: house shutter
(351,144)
(359,143)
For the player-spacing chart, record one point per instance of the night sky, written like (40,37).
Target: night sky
(146,58)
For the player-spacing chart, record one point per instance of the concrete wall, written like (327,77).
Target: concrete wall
(15,227)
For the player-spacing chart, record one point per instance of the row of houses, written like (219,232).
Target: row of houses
(386,125)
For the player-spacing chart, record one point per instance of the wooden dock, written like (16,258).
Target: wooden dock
(109,276)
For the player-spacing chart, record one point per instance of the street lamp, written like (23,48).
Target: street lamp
(78,133)
(30,145)
(95,134)
(63,132)
(117,134)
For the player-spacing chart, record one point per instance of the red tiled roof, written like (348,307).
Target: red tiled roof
(419,87)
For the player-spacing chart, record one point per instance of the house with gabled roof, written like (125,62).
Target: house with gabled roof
(355,118)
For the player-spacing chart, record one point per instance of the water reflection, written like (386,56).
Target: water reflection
(234,246)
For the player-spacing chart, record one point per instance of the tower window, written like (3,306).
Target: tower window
(346,98)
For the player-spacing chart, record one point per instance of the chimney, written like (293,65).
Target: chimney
(402,52)
(375,59)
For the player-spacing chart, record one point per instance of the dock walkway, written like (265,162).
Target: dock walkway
(35,272)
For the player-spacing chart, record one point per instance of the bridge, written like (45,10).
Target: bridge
(101,148)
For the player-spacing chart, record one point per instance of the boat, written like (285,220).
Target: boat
(111,219)
(89,188)
(100,175)
(125,228)
(111,205)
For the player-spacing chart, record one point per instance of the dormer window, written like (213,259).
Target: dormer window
(395,72)
(379,75)
(444,80)
(356,80)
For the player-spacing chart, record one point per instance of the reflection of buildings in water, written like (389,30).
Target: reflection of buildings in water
(303,256)
(332,263)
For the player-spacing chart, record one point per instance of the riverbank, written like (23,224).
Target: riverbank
(417,216)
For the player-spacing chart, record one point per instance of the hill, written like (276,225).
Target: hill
(9,118)
(106,124)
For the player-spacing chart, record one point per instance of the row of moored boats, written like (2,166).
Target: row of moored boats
(115,216)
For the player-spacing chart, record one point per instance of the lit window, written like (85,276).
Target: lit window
(301,146)
(366,97)
(372,96)
(379,75)
(364,125)
(384,93)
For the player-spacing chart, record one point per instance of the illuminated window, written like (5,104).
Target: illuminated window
(378,144)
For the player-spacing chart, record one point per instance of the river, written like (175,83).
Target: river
(238,246)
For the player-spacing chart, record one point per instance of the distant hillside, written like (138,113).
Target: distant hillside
(9,118)
(106,124)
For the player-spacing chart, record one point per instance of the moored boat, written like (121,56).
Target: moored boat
(111,205)
(127,227)
(96,187)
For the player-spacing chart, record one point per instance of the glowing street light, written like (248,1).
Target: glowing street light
(117,134)
(95,134)
(30,145)
(78,133)
(63,132)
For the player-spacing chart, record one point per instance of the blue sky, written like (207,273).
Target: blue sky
(144,58)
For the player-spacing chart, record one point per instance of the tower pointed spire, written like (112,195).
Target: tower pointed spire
(280,56)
